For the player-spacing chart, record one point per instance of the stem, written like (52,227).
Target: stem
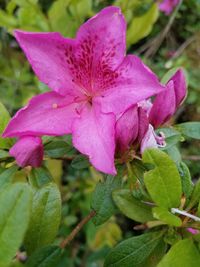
(77,229)
(156,43)
(182,212)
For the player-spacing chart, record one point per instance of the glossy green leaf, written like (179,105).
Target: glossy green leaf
(45,257)
(80,162)
(189,129)
(141,26)
(174,154)
(15,204)
(102,201)
(4,119)
(183,253)
(131,207)
(186,179)
(45,217)
(163,182)
(156,255)
(40,177)
(133,251)
(4,154)
(7,175)
(57,149)
(195,197)
(165,216)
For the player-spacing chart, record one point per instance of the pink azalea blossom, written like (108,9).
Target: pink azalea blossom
(93,81)
(131,127)
(154,114)
(167,6)
(28,151)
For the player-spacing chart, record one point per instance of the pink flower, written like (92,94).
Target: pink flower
(167,6)
(167,102)
(131,127)
(193,231)
(28,151)
(137,124)
(92,82)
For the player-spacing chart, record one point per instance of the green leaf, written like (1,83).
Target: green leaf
(80,162)
(4,119)
(57,149)
(174,154)
(195,197)
(163,182)
(6,20)
(183,253)
(189,129)
(165,216)
(134,250)
(4,154)
(40,177)
(45,217)
(45,257)
(156,255)
(186,179)
(58,16)
(15,202)
(142,26)
(131,207)
(102,201)
(7,175)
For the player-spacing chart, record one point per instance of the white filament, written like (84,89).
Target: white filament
(182,212)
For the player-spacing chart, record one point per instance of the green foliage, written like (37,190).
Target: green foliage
(189,129)
(184,253)
(131,207)
(141,26)
(40,177)
(80,162)
(144,193)
(186,179)
(134,250)
(42,228)
(165,216)
(102,201)
(4,119)
(15,203)
(6,176)
(45,257)
(163,182)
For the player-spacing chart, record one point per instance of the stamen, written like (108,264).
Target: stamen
(160,139)
(182,212)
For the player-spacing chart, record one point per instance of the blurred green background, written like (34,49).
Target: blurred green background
(163,42)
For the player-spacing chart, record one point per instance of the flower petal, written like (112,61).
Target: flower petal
(163,107)
(101,47)
(28,151)
(180,86)
(127,128)
(134,82)
(143,124)
(46,114)
(94,135)
(149,140)
(48,54)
